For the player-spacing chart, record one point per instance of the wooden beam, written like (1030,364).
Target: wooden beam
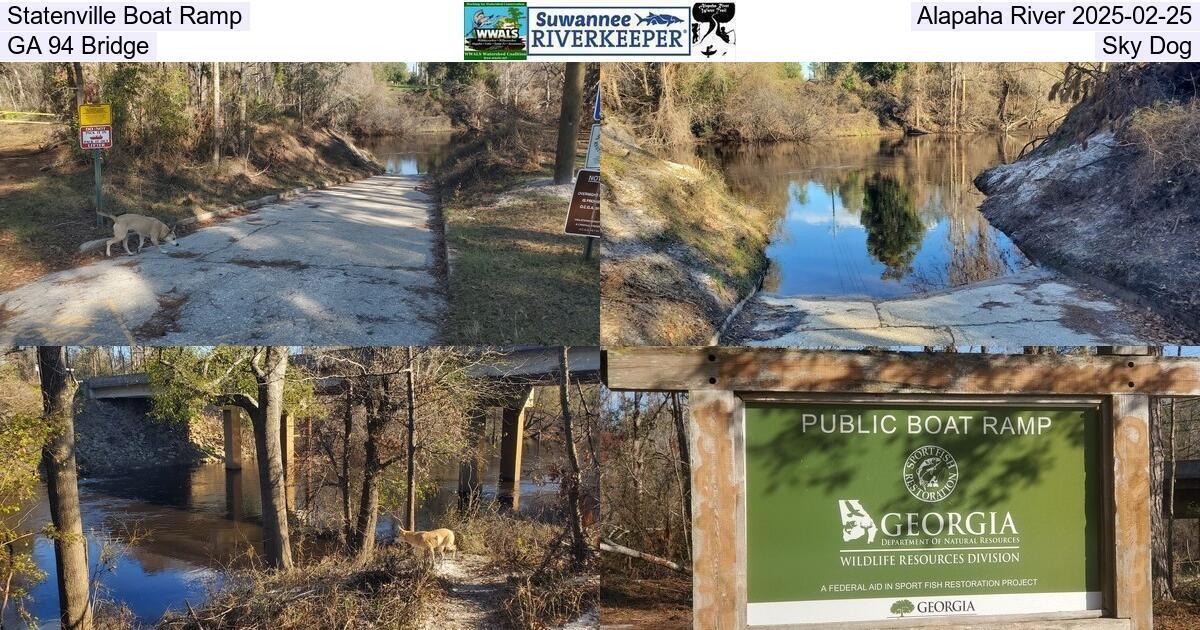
(789,370)
(717,444)
(1131,510)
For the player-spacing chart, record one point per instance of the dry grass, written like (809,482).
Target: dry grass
(333,593)
(46,198)
(545,588)
(514,277)
(1168,136)
(681,249)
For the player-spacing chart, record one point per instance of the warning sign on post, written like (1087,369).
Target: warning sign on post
(95,115)
(95,137)
(583,217)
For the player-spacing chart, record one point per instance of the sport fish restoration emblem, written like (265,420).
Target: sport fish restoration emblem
(930,473)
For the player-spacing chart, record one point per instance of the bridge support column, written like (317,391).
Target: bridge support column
(512,436)
(471,470)
(231,421)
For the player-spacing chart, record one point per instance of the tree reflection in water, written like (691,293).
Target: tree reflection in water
(893,229)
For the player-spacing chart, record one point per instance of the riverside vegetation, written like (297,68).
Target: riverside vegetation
(513,276)
(684,199)
(325,554)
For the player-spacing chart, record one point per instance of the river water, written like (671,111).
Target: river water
(876,216)
(169,533)
(411,154)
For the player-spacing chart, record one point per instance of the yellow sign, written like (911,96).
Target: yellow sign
(95,114)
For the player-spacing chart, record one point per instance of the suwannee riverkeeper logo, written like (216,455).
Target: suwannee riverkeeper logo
(930,473)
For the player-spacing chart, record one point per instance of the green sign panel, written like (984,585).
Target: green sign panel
(861,512)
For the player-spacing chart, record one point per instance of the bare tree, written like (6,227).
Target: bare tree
(579,547)
(568,123)
(62,489)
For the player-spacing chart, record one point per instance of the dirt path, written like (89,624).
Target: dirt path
(1034,307)
(353,264)
(474,593)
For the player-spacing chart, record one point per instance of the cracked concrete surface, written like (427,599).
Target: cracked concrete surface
(353,264)
(1033,307)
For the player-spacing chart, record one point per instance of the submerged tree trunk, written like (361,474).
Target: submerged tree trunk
(62,490)
(266,420)
(579,548)
(568,123)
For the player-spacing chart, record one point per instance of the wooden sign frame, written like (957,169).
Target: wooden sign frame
(720,380)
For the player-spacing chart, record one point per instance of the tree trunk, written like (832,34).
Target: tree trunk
(568,123)
(1160,553)
(411,498)
(75,71)
(347,505)
(216,114)
(368,502)
(1171,455)
(685,467)
(579,548)
(368,505)
(62,490)
(266,420)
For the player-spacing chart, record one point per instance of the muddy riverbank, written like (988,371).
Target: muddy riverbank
(1076,208)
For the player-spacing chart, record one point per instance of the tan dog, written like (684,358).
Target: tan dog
(145,227)
(430,544)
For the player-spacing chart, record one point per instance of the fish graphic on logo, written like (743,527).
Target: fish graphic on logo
(856,522)
(658,19)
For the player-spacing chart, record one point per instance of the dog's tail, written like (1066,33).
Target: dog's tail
(105,214)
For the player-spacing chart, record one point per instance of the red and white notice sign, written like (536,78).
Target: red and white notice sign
(95,137)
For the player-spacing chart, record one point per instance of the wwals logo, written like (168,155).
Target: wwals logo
(496,30)
(930,473)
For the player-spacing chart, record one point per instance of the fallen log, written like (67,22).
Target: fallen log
(612,547)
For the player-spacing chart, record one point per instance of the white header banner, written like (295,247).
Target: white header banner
(602,30)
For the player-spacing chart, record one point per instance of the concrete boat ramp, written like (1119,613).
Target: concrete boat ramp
(1032,307)
(352,264)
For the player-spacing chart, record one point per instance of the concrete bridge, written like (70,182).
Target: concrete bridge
(519,370)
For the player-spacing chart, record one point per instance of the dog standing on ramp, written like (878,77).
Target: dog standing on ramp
(144,226)
(432,545)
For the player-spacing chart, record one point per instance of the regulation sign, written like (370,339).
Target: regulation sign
(873,511)
(592,161)
(95,137)
(95,114)
(583,216)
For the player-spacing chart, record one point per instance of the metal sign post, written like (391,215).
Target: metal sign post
(99,189)
(591,163)
(95,134)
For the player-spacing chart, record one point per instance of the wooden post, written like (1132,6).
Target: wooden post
(1131,510)
(717,448)
(231,423)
